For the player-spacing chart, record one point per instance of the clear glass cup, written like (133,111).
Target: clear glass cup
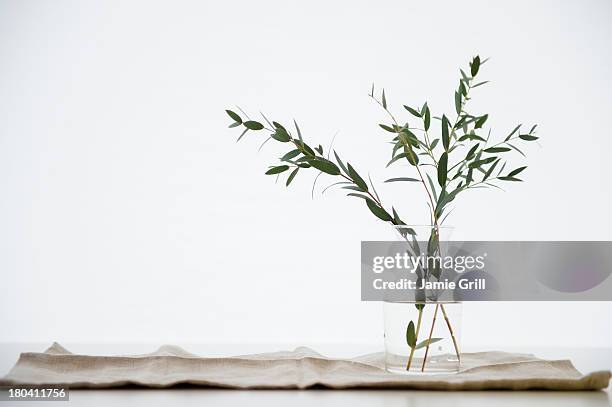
(437,333)
(422,334)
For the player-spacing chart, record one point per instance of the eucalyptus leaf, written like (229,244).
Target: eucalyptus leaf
(458,102)
(427,342)
(340,163)
(512,132)
(324,165)
(445,135)
(242,134)
(387,128)
(528,137)
(412,111)
(277,169)
(357,178)
(235,117)
(292,176)
(481,121)
(253,125)
(442,170)
(411,335)
(290,155)
(475,65)
(516,171)
(379,212)
(509,179)
(472,152)
(400,179)
(427,118)
(496,149)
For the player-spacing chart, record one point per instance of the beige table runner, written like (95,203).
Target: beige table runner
(298,369)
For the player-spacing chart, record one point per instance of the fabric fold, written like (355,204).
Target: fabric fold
(301,368)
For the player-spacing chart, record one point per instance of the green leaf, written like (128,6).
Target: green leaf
(509,179)
(234,116)
(340,163)
(427,117)
(353,188)
(235,124)
(253,125)
(442,173)
(324,165)
(387,128)
(434,144)
(411,156)
(419,306)
(458,102)
(496,149)
(281,133)
(379,212)
(516,171)
(462,88)
(411,335)
(528,137)
(396,218)
(400,179)
(481,121)
(490,170)
(445,136)
(433,187)
(297,128)
(291,176)
(242,134)
(291,154)
(479,163)
(280,136)
(413,111)
(397,157)
(304,148)
(479,84)
(472,152)
(475,65)
(512,132)
(517,149)
(362,196)
(277,170)
(471,137)
(384,99)
(355,177)
(427,342)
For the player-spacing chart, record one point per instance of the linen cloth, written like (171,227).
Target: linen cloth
(298,369)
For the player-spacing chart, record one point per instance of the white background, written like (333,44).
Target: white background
(128,213)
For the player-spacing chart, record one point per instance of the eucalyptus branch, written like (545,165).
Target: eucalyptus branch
(302,156)
(481,157)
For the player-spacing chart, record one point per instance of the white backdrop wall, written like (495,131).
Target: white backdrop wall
(129,213)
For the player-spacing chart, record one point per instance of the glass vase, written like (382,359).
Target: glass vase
(422,334)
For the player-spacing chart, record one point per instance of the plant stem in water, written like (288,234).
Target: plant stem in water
(417,338)
(450,329)
(433,323)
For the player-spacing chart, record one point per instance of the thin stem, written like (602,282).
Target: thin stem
(450,329)
(417,337)
(433,323)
